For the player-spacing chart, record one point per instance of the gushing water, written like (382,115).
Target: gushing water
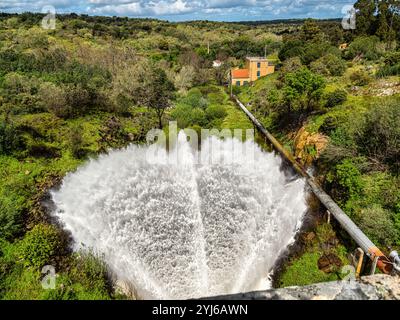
(178,230)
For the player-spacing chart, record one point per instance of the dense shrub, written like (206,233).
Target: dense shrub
(195,99)
(182,114)
(42,60)
(9,138)
(366,47)
(377,223)
(315,51)
(198,117)
(319,67)
(303,89)
(330,124)
(335,98)
(215,112)
(215,98)
(291,65)
(290,49)
(40,245)
(360,78)
(10,216)
(346,181)
(335,64)
(89,272)
(53,99)
(387,71)
(379,137)
(391,65)
(77,142)
(187,116)
(392,58)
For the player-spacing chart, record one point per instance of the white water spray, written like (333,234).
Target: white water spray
(184,230)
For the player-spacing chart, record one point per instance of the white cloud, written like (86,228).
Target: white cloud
(230,9)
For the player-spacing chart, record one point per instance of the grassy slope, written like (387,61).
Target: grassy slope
(21,184)
(303,269)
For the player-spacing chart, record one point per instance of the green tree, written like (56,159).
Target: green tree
(155,91)
(310,31)
(303,89)
(365,16)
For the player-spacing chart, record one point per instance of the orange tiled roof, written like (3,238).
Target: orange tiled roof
(240,73)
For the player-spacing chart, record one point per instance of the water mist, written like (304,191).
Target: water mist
(184,229)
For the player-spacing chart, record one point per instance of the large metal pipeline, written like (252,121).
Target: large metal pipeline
(371,250)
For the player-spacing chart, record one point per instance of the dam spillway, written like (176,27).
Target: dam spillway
(175,227)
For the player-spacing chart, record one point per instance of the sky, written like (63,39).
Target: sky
(183,10)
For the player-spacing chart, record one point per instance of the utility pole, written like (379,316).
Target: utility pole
(230,82)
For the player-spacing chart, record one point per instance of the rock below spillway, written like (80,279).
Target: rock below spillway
(377,287)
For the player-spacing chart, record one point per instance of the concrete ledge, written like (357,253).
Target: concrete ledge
(377,287)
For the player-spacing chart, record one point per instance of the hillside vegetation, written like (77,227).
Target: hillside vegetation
(97,83)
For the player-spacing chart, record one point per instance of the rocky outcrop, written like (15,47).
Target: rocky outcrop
(308,146)
(377,287)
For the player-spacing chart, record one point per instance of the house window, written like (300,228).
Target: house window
(245,83)
(258,65)
(258,73)
(238,83)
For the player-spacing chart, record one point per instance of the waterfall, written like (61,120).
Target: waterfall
(180,228)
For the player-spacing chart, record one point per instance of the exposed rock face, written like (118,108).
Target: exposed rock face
(309,146)
(125,288)
(329,263)
(377,287)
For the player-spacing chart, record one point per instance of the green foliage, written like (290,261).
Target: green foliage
(303,89)
(379,137)
(378,224)
(99,82)
(391,65)
(194,110)
(310,30)
(290,49)
(154,90)
(303,270)
(9,138)
(77,142)
(347,178)
(381,18)
(40,245)
(366,47)
(87,279)
(195,99)
(198,117)
(215,112)
(182,114)
(360,78)
(330,124)
(392,58)
(329,65)
(314,51)
(336,66)
(387,71)
(336,98)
